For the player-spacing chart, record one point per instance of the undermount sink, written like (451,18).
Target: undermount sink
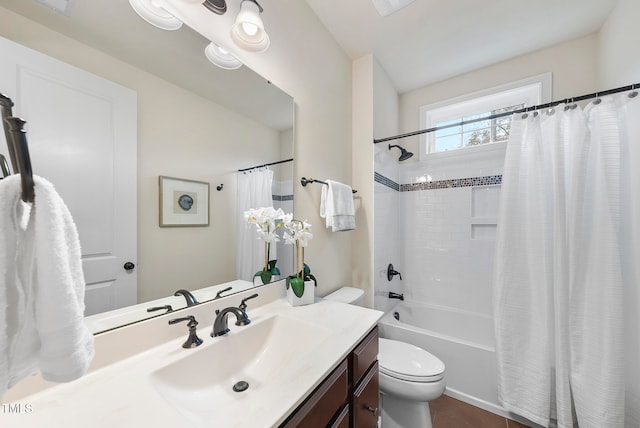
(251,358)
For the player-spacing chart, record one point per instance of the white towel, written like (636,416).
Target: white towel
(336,206)
(42,289)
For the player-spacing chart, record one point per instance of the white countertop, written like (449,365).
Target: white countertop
(122,395)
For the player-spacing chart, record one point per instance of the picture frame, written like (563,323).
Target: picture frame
(183,203)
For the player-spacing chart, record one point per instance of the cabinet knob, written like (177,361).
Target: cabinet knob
(129,266)
(372,410)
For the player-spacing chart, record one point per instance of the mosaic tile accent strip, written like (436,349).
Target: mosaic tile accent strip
(487,180)
(282,197)
(386,181)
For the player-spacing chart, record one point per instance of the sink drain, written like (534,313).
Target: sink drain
(241,386)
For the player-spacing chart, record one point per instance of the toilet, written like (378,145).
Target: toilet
(410,377)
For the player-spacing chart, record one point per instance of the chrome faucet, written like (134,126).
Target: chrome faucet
(220,326)
(191,300)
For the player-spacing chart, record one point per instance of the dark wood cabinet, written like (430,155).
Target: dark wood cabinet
(366,408)
(348,397)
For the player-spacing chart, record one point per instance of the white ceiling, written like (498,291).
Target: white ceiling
(433,40)
(426,42)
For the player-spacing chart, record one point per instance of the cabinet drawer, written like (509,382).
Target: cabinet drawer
(364,355)
(366,400)
(324,403)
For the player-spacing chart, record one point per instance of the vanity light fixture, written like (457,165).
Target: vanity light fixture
(216,6)
(248,31)
(221,57)
(153,12)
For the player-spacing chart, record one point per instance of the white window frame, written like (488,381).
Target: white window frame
(532,91)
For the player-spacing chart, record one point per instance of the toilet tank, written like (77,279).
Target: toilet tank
(351,295)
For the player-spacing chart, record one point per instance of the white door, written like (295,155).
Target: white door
(82,135)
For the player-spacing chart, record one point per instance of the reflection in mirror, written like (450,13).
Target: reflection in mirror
(162,109)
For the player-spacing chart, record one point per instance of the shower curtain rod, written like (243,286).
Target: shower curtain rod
(266,164)
(509,113)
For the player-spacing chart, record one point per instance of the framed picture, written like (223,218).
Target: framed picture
(183,202)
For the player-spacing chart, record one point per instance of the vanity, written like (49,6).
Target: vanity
(349,396)
(309,366)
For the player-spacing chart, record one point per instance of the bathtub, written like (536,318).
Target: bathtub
(463,340)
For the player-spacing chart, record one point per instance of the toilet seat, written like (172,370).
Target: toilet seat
(408,362)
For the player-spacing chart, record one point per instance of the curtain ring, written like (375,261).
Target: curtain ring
(597,100)
(567,101)
(634,93)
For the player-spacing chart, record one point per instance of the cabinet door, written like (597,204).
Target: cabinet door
(322,405)
(342,420)
(364,355)
(366,407)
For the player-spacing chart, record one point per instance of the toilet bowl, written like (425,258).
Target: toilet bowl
(409,376)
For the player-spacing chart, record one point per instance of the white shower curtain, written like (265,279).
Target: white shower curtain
(565,280)
(254,191)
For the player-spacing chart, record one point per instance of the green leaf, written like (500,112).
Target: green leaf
(297,285)
(265,276)
(307,269)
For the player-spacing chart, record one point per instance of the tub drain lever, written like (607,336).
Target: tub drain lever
(392,272)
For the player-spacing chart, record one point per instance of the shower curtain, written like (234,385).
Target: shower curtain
(565,277)
(254,191)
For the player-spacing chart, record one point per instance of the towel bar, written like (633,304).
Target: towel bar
(304,181)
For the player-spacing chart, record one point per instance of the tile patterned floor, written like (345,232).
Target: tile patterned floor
(447,412)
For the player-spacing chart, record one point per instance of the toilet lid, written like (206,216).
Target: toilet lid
(408,362)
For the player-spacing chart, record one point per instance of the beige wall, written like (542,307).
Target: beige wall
(362,176)
(618,40)
(306,62)
(181,135)
(574,66)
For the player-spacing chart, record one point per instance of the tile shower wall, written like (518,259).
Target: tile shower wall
(448,246)
(446,209)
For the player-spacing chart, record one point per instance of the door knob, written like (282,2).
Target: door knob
(129,266)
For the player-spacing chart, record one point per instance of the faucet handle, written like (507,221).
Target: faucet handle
(168,308)
(193,340)
(243,303)
(224,290)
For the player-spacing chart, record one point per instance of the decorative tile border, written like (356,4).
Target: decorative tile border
(487,180)
(282,197)
(386,181)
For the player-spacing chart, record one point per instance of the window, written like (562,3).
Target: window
(475,106)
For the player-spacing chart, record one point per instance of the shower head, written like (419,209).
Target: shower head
(404,154)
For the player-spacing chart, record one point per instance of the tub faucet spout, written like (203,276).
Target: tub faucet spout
(393,295)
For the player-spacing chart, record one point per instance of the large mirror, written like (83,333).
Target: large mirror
(191,121)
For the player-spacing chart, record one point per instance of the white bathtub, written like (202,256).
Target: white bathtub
(463,340)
